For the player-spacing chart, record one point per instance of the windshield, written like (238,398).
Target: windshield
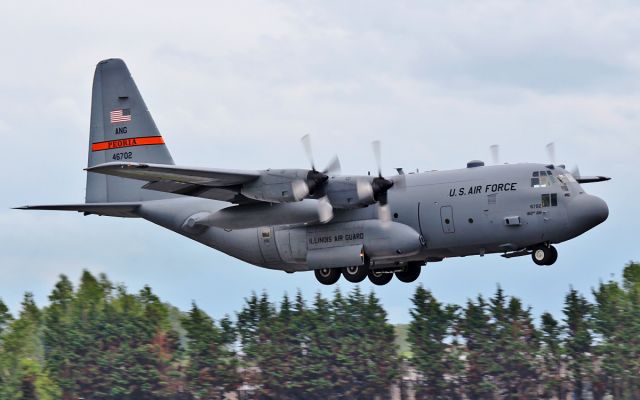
(541,179)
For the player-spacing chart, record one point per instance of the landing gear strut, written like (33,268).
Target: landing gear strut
(327,276)
(380,277)
(544,255)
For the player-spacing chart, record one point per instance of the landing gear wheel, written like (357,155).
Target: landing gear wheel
(380,278)
(409,274)
(355,274)
(544,255)
(327,276)
(554,255)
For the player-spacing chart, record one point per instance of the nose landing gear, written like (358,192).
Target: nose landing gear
(544,255)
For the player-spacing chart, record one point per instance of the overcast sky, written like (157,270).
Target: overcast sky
(236,84)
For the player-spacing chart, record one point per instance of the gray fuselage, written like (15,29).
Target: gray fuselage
(437,214)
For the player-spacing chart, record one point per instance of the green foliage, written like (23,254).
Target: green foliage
(616,319)
(213,367)
(432,324)
(342,348)
(103,342)
(578,342)
(98,341)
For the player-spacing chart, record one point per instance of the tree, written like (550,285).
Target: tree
(477,332)
(22,375)
(578,342)
(430,328)
(616,321)
(213,367)
(553,377)
(5,317)
(520,371)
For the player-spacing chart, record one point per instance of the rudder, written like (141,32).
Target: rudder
(121,130)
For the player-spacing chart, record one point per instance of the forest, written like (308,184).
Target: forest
(96,340)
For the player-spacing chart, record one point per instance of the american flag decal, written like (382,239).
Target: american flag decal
(122,115)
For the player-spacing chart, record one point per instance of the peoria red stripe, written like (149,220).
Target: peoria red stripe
(130,142)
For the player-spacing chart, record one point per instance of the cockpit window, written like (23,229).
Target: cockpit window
(542,179)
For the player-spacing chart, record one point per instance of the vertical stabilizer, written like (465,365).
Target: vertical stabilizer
(121,130)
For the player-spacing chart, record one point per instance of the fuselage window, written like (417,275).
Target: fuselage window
(549,200)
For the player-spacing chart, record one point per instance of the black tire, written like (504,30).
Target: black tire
(554,256)
(544,255)
(409,274)
(355,274)
(380,278)
(327,276)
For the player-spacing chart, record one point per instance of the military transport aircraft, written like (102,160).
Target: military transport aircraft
(336,225)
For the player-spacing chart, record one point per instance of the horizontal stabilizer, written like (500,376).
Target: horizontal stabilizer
(591,179)
(125,210)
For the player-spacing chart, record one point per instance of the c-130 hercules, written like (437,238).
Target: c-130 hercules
(300,220)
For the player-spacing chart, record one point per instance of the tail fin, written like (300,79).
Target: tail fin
(121,130)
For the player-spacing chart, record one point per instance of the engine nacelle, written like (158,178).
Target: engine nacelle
(278,186)
(350,192)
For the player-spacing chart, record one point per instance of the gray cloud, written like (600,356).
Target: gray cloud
(436,82)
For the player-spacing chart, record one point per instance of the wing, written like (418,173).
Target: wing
(211,183)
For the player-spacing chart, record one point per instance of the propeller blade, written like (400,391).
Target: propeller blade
(495,153)
(333,166)
(551,152)
(300,189)
(306,143)
(325,210)
(575,171)
(364,190)
(377,153)
(384,213)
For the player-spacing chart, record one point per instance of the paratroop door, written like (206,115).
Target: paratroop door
(446,217)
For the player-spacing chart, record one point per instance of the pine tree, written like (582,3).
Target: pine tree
(5,317)
(430,328)
(553,378)
(520,377)
(22,375)
(475,328)
(213,368)
(578,342)
(616,320)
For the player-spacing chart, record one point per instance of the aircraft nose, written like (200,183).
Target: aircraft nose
(586,211)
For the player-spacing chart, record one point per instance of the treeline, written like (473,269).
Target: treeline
(97,341)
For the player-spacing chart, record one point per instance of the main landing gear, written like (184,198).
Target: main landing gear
(544,255)
(355,274)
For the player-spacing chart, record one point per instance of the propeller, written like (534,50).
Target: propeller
(551,152)
(316,180)
(495,153)
(380,185)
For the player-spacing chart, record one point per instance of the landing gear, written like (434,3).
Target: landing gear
(380,277)
(327,276)
(544,255)
(409,274)
(355,274)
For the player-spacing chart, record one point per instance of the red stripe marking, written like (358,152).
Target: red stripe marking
(130,142)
